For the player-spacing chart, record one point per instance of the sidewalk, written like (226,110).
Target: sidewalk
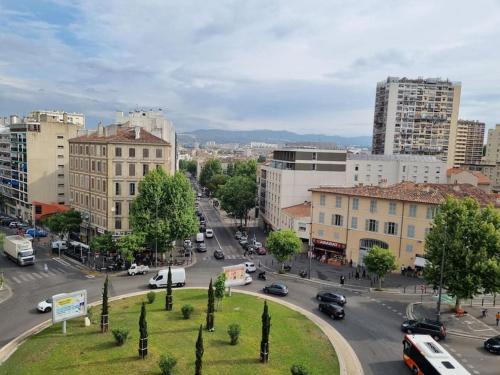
(469,325)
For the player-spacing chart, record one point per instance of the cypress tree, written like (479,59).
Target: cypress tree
(199,352)
(210,308)
(105,307)
(168,299)
(266,328)
(143,333)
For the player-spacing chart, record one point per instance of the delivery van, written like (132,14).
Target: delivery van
(160,279)
(200,237)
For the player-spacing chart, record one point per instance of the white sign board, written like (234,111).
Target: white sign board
(235,275)
(69,305)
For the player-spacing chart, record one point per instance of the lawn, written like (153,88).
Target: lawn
(84,350)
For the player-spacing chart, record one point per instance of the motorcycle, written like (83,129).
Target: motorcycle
(303,273)
(262,275)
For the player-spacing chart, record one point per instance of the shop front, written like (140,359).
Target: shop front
(329,252)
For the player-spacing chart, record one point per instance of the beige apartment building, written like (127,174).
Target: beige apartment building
(469,142)
(348,221)
(106,167)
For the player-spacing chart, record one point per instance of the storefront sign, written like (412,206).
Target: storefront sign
(325,243)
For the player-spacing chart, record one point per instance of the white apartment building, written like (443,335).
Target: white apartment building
(416,116)
(298,219)
(365,169)
(157,124)
(60,116)
(285,181)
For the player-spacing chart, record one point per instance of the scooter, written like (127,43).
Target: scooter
(262,275)
(303,273)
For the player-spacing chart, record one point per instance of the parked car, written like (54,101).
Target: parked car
(45,306)
(201,247)
(493,344)
(261,250)
(256,244)
(33,232)
(244,237)
(138,269)
(426,327)
(14,224)
(278,289)
(203,228)
(199,195)
(250,267)
(188,244)
(55,245)
(339,299)
(248,279)
(209,233)
(238,235)
(7,220)
(200,237)
(333,310)
(218,254)
(243,242)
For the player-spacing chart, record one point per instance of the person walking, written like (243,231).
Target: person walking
(342,281)
(498,317)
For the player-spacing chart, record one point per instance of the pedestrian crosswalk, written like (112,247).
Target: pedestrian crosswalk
(236,257)
(26,276)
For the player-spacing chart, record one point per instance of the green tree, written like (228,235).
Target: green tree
(261,159)
(380,262)
(168,297)
(143,333)
(209,169)
(188,166)
(230,170)
(210,308)
(63,222)
(237,196)
(266,329)
(199,352)
(103,244)
(105,307)
(220,288)
(164,209)
(246,168)
(130,245)
(2,239)
(215,183)
(283,244)
(469,236)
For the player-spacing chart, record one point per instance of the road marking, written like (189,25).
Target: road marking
(383,304)
(37,275)
(24,278)
(29,276)
(475,371)
(60,270)
(394,310)
(63,262)
(453,350)
(400,313)
(458,355)
(464,360)
(16,280)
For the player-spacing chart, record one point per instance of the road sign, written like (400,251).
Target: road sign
(69,305)
(235,275)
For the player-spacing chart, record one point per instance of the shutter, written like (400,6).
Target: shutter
(386,228)
(396,229)
(367,224)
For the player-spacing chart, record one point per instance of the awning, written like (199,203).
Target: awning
(420,262)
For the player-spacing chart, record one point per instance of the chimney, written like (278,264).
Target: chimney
(137,132)
(100,129)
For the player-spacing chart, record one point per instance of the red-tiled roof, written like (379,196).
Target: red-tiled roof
(455,170)
(123,134)
(299,210)
(411,192)
(481,178)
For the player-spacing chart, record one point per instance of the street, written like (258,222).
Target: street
(371,326)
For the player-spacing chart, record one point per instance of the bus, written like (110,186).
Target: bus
(424,356)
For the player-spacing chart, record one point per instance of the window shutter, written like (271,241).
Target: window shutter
(367,224)
(396,229)
(386,225)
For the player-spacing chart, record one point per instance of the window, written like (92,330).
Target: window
(322,199)
(354,222)
(159,153)
(118,223)
(92,165)
(392,208)
(413,210)
(118,152)
(99,169)
(371,225)
(131,152)
(337,220)
(409,247)
(118,208)
(118,169)
(145,169)
(321,233)
(132,188)
(60,137)
(355,203)
(103,151)
(411,231)
(60,156)
(117,188)
(322,218)
(145,153)
(338,202)
(373,205)
(60,147)
(391,228)
(131,170)
(431,211)
(355,177)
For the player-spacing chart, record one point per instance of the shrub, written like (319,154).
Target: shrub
(167,364)
(91,314)
(187,310)
(234,331)
(120,335)
(299,370)
(151,297)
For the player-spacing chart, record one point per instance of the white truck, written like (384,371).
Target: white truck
(137,269)
(19,249)
(160,279)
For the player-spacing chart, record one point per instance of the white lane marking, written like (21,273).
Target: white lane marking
(36,275)
(63,262)
(24,278)
(60,270)
(475,371)
(29,276)
(458,355)
(400,313)
(453,350)
(464,360)
(394,310)
(16,280)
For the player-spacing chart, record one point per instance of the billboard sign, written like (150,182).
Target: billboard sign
(235,275)
(69,305)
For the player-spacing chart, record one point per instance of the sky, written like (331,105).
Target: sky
(305,66)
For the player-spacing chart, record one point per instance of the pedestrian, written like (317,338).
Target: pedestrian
(342,281)
(357,275)
(364,273)
(45,267)
(350,263)
(402,269)
(498,317)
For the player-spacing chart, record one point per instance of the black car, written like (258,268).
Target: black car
(218,254)
(339,299)
(201,247)
(333,310)
(426,327)
(278,289)
(493,344)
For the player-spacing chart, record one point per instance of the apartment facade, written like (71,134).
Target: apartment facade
(469,142)
(285,181)
(106,167)
(366,169)
(298,219)
(416,116)
(39,159)
(474,178)
(347,222)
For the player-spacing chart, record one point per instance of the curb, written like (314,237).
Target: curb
(348,361)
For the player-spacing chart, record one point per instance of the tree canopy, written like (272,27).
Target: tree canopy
(237,196)
(470,237)
(103,243)
(190,166)
(211,168)
(283,244)
(246,168)
(63,222)
(130,245)
(380,262)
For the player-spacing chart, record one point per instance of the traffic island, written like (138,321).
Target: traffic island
(294,339)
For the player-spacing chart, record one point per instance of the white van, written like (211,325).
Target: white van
(160,279)
(200,237)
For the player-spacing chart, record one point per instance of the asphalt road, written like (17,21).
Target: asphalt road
(371,326)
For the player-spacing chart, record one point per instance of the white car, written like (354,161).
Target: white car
(248,279)
(45,306)
(250,267)
(256,244)
(209,233)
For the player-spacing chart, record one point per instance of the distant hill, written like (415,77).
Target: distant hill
(269,136)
